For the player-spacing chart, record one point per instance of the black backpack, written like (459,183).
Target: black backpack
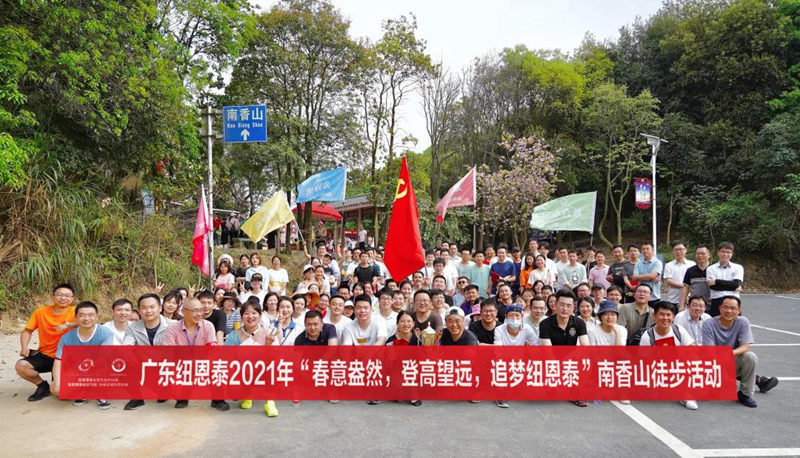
(636,337)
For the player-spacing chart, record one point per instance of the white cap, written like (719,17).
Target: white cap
(454,311)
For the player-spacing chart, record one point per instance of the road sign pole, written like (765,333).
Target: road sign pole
(209,113)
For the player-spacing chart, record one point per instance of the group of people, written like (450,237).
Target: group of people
(456,298)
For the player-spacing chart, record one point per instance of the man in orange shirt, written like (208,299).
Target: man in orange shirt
(52,321)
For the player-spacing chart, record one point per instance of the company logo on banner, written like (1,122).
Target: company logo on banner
(327,186)
(642,194)
(400,373)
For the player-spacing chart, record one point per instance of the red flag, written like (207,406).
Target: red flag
(202,227)
(461,194)
(403,249)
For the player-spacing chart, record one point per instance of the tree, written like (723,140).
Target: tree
(301,62)
(613,122)
(440,93)
(507,196)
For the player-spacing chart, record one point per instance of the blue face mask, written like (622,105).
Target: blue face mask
(514,324)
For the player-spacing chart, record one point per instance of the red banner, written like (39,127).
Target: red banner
(399,373)
(642,195)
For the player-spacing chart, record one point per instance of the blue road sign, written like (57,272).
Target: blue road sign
(245,124)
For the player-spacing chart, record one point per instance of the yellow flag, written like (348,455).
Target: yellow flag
(273,214)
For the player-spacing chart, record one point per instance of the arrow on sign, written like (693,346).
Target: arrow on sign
(245,134)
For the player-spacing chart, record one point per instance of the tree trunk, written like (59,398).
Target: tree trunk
(672,198)
(600,233)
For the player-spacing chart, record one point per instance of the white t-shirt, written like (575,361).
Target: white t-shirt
(354,335)
(675,272)
(686,337)
(261,295)
(695,328)
(277,280)
(391,321)
(599,337)
(450,274)
(343,322)
(248,274)
(118,335)
(526,336)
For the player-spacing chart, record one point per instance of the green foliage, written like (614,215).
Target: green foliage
(746,219)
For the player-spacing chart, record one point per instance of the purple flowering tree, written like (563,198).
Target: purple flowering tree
(507,196)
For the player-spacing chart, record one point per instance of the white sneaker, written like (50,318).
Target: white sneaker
(625,403)
(691,405)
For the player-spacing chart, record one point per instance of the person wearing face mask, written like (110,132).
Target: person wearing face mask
(514,332)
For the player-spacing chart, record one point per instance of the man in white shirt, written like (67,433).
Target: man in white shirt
(667,333)
(450,272)
(572,274)
(693,316)
(724,278)
(385,311)
(335,316)
(514,332)
(364,330)
(675,271)
(121,312)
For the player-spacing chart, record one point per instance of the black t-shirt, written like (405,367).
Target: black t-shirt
(483,335)
(448,300)
(433,320)
(548,329)
(365,274)
(501,313)
(328,332)
(413,341)
(695,277)
(151,333)
(617,271)
(467,338)
(218,319)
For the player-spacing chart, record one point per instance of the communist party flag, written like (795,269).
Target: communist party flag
(202,227)
(403,249)
(461,194)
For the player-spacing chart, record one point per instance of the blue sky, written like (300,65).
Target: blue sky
(459,31)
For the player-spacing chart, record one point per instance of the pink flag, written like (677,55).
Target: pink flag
(200,240)
(461,194)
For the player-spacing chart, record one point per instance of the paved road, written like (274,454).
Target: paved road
(436,428)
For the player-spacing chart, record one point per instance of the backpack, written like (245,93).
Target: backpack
(636,337)
(675,330)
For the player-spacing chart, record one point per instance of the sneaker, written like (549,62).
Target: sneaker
(416,403)
(332,401)
(580,403)
(181,404)
(474,402)
(502,404)
(102,404)
(133,404)
(42,391)
(625,402)
(766,383)
(222,406)
(373,403)
(271,409)
(246,404)
(691,405)
(746,400)
(80,402)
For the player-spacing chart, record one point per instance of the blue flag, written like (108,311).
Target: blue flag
(327,186)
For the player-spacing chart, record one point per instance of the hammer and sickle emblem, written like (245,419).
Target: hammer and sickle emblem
(400,194)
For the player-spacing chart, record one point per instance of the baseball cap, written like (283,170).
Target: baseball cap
(455,311)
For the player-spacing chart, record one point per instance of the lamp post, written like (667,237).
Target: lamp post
(655,143)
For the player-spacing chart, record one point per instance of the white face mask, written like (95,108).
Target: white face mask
(514,324)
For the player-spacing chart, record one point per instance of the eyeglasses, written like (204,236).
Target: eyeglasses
(63,295)
(200,310)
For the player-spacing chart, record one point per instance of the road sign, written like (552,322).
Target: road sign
(245,124)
